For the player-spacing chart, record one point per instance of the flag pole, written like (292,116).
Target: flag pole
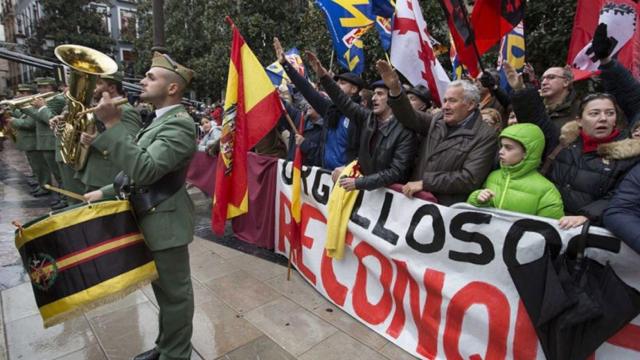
(331,59)
(286,115)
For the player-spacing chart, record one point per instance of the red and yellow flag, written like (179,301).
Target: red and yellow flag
(296,192)
(250,112)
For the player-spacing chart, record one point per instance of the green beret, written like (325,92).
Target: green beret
(41,81)
(164,61)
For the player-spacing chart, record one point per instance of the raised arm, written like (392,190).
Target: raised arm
(315,99)
(348,107)
(399,101)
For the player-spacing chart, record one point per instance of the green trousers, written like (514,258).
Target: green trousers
(70,182)
(50,158)
(174,294)
(39,167)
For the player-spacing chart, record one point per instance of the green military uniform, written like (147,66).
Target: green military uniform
(26,140)
(67,173)
(165,146)
(46,140)
(99,170)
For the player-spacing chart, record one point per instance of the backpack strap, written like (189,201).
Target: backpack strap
(550,159)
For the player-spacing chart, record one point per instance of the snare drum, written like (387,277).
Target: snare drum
(82,257)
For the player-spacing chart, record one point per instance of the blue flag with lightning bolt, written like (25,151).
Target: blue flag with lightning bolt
(347,21)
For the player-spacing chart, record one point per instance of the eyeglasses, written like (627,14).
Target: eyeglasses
(552,77)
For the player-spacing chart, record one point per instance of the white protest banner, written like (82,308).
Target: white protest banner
(433,279)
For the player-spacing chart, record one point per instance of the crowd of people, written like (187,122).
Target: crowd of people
(539,148)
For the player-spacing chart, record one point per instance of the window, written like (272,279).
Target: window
(105,15)
(128,25)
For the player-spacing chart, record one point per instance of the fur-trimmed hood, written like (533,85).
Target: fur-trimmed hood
(617,150)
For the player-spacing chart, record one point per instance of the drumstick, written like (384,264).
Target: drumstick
(65,192)
(90,110)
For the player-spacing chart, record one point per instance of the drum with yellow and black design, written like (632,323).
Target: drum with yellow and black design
(83,257)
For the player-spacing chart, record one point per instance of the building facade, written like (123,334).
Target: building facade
(20,18)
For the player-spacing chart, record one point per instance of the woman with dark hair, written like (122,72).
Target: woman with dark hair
(577,164)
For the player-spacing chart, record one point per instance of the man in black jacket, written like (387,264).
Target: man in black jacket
(386,148)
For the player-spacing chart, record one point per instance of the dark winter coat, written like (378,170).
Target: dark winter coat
(450,164)
(394,149)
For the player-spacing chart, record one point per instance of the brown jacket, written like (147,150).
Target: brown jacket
(451,166)
(565,111)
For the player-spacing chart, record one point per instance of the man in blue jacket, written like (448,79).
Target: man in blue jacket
(338,131)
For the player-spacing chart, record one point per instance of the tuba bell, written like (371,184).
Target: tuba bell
(86,65)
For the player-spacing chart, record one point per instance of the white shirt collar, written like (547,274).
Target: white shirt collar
(164,110)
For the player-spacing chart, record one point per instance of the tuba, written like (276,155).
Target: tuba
(86,66)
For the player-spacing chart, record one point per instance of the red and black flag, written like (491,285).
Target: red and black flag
(493,19)
(463,36)
(83,257)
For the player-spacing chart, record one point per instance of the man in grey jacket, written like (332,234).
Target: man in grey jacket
(458,148)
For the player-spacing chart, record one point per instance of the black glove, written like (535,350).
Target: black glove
(602,45)
(487,80)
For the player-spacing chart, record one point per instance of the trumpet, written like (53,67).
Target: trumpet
(25,101)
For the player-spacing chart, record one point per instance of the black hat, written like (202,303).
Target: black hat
(378,84)
(422,93)
(352,78)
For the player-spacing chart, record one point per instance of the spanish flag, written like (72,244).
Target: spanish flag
(250,112)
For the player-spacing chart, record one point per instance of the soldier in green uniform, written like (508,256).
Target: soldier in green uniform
(26,140)
(99,171)
(41,111)
(155,161)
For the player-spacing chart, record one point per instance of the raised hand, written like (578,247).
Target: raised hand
(513,78)
(389,76)
(315,64)
(277,47)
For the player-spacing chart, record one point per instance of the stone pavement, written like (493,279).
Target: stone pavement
(245,307)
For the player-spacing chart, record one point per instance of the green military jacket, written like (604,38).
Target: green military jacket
(166,145)
(99,170)
(25,127)
(46,138)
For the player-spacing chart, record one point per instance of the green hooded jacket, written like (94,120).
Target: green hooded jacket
(521,187)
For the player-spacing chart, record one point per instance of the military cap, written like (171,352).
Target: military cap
(351,78)
(26,87)
(41,81)
(164,61)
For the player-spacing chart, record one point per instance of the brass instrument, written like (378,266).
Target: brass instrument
(25,101)
(86,65)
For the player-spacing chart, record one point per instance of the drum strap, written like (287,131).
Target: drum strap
(145,198)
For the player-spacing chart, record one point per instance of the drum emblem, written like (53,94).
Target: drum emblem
(43,271)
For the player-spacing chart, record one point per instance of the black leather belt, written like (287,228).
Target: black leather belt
(145,198)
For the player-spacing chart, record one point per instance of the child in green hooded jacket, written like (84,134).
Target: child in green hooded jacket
(517,185)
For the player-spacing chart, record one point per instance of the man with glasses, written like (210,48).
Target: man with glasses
(556,90)
(155,163)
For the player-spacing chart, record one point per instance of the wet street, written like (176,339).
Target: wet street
(245,307)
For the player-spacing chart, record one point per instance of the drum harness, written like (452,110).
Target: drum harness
(144,198)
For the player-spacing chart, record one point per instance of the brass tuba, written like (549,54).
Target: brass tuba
(86,65)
